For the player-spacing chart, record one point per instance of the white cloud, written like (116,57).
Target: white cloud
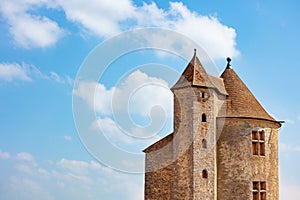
(93,92)
(67,137)
(13,71)
(29,30)
(138,93)
(25,188)
(151,15)
(216,39)
(24,168)
(59,79)
(131,139)
(34,31)
(4,155)
(111,130)
(289,191)
(287,148)
(25,163)
(121,108)
(25,156)
(10,72)
(77,167)
(106,18)
(99,16)
(67,179)
(289,121)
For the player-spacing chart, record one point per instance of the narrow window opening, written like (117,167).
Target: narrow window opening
(254,148)
(203,117)
(204,174)
(255,186)
(263,196)
(203,95)
(258,143)
(204,144)
(255,196)
(262,185)
(261,135)
(254,135)
(262,149)
(259,190)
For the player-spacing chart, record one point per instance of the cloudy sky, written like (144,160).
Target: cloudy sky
(45,43)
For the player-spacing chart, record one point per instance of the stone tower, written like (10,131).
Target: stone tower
(224,144)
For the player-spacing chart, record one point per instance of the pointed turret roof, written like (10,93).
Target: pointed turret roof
(240,101)
(195,75)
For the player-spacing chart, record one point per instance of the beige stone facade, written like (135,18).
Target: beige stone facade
(224,144)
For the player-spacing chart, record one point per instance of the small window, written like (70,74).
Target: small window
(203,117)
(259,190)
(258,143)
(204,174)
(203,95)
(204,144)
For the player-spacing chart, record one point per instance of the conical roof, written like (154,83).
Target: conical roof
(195,75)
(240,101)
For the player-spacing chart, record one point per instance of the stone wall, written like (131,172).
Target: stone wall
(204,154)
(159,170)
(183,143)
(238,168)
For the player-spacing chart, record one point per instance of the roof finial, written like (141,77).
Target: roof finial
(195,50)
(228,62)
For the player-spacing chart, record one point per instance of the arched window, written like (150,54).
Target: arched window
(204,174)
(204,144)
(203,117)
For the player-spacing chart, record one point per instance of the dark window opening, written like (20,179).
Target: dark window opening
(263,186)
(263,196)
(204,174)
(262,148)
(255,185)
(258,143)
(259,190)
(255,196)
(254,135)
(254,148)
(261,135)
(204,144)
(203,117)
(203,95)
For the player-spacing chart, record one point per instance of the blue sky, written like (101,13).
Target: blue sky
(43,43)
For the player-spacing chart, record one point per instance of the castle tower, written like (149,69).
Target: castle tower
(247,150)
(197,97)
(223,145)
